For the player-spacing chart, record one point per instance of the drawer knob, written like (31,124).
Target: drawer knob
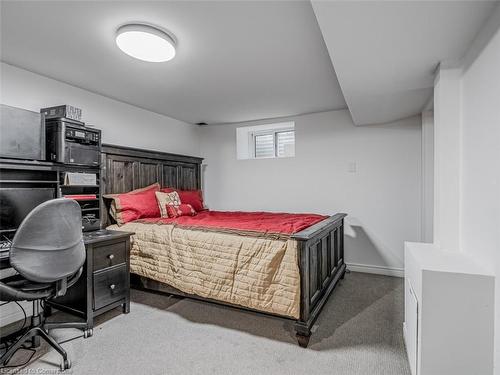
(112,287)
(111,256)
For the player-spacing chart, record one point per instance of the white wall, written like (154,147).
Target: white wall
(121,123)
(427,176)
(480,200)
(382,198)
(447,133)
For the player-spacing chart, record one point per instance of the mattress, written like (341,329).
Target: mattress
(246,268)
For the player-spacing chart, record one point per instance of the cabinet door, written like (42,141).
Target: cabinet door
(411,326)
(110,285)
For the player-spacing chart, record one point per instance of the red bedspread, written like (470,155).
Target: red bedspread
(261,222)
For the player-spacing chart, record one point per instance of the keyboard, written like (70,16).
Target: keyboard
(4,246)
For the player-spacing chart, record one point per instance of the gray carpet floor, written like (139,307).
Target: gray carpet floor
(358,332)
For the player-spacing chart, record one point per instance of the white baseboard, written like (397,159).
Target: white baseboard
(379,270)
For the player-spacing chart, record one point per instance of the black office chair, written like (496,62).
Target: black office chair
(48,253)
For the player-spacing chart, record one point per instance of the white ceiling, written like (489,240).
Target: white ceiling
(236,61)
(385,52)
(245,60)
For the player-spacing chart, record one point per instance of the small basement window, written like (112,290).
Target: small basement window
(266,141)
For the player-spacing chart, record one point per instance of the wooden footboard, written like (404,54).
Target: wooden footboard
(321,264)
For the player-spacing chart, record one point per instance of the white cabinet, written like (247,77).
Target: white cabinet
(449,312)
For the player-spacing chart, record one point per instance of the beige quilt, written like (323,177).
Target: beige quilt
(256,271)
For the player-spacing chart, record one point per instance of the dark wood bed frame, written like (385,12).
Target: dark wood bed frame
(321,246)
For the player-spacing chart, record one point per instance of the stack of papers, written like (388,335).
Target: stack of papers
(87,179)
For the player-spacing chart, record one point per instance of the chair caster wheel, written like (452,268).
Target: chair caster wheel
(88,333)
(65,364)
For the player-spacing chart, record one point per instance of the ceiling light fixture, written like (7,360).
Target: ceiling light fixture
(145,42)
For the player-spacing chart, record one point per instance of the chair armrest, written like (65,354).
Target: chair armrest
(8,293)
(13,290)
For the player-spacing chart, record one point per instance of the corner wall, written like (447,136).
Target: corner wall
(427,176)
(382,197)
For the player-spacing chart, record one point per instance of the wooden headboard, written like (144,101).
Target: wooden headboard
(127,168)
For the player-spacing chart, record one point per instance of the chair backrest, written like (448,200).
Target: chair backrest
(48,245)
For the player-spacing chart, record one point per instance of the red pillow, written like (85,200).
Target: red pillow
(181,210)
(136,204)
(192,197)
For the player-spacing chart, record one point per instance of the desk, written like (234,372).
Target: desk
(104,283)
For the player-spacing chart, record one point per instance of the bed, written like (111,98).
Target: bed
(284,265)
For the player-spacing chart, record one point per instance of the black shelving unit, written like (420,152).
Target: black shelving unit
(28,174)
(91,208)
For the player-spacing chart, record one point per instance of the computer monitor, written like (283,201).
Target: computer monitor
(17,203)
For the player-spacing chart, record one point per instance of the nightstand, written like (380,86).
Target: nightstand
(105,281)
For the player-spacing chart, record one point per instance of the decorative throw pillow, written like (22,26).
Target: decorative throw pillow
(180,210)
(167,199)
(192,197)
(136,204)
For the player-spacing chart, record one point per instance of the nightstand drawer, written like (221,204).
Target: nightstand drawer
(110,285)
(109,255)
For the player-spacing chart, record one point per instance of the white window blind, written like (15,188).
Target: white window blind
(264,146)
(285,142)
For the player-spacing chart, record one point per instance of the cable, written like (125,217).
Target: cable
(24,312)
(6,239)
(24,321)
(7,347)
(33,351)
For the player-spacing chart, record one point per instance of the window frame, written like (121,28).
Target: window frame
(274,133)
(245,140)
